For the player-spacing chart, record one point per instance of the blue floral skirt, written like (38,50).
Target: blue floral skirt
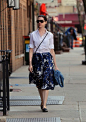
(42,75)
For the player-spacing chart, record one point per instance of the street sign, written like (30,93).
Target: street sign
(44,1)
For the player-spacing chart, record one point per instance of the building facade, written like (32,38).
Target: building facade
(14,24)
(64,13)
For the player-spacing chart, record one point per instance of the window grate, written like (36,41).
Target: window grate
(52,119)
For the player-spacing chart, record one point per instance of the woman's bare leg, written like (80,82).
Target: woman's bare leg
(41,96)
(45,96)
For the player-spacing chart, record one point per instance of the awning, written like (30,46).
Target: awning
(68,19)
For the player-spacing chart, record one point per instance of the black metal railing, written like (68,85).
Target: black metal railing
(58,32)
(61,40)
(4,81)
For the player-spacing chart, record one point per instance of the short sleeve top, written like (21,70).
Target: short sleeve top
(46,45)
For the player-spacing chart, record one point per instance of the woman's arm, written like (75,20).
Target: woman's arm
(30,59)
(30,55)
(54,58)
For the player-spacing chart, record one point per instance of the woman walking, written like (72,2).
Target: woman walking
(42,60)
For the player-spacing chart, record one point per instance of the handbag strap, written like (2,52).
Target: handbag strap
(41,42)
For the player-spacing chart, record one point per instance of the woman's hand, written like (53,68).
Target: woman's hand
(30,68)
(54,59)
(56,68)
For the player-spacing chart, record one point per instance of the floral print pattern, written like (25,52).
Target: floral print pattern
(43,75)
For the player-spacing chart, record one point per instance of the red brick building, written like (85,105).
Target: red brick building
(14,24)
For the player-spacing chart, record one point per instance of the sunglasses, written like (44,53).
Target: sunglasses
(39,21)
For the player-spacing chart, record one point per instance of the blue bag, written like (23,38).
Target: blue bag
(59,79)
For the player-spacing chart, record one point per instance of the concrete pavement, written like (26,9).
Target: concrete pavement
(73,108)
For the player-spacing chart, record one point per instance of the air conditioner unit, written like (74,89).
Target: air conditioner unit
(16,5)
(11,3)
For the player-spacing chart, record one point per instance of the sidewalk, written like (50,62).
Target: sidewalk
(73,108)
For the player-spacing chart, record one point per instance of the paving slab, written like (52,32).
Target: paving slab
(83,119)
(50,107)
(82,104)
(70,120)
(52,113)
(82,108)
(19,81)
(63,107)
(66,102)
(77,81)
(2,119)
(83,114)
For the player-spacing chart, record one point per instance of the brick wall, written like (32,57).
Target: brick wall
(18,63)
(3,26)
(16,24)
(0,25)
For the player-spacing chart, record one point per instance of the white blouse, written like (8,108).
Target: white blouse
(46,45)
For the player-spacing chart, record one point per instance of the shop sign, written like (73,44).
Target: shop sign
(59,1)
(44,1)
(52,14)
(62,22)
(68,2)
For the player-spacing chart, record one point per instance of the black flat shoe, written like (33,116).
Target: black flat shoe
(41,106)
(44,110)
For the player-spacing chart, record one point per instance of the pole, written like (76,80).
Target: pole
(0,25)
(51,25)
(58,40)
(3,22)
(33,16)
(85,47)
(7,81)
(84,62)
(4,87)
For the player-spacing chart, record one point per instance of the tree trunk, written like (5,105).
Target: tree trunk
(81,19)
(84,2)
